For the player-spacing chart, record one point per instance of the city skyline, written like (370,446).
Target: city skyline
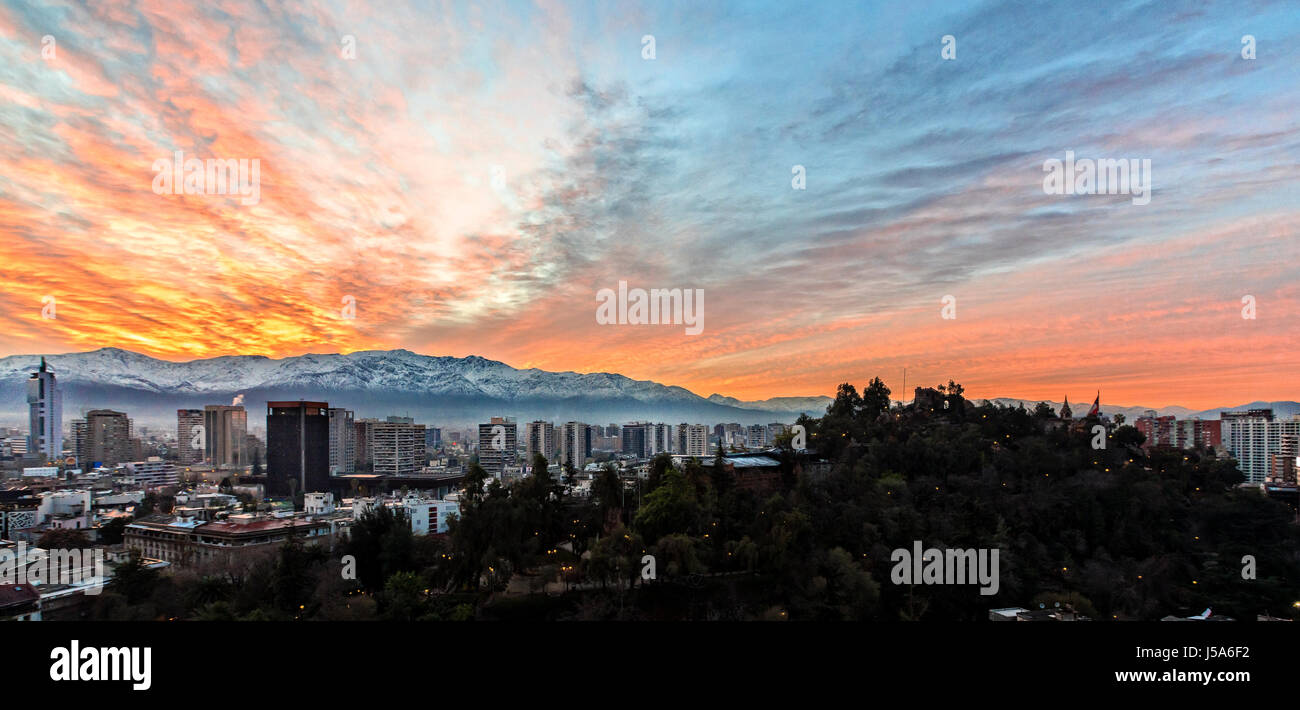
(141,372)
(472,179)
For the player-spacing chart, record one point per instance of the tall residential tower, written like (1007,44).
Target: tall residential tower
(45,415)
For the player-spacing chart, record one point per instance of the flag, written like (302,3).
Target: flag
(1096,406)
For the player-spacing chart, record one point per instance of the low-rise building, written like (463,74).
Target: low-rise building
(188,542)
(153,473)
(19,602)
(426,515)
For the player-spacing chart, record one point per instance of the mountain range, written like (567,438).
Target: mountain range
(446,391)
(449,391)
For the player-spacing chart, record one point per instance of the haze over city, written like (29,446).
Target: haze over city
(472,191)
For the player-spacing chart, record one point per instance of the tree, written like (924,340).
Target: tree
(875,399)
(112,532)
(671,508)
(207,590)
(380,540)
(675,555)
(147,505)
(847,403)
(658,466)
(1128,435)
(608,489)
(538,486)
(475,477)
(405,597)
(292,580)
(63,540)
(719,477)
(954,389)
(133,580)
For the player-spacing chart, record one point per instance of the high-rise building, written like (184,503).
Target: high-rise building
(659,439)
(396,447)
(363,438)
(254,449)
(297,448)
(80,441)
(1179,433)
(1253,436)
(1282,465)
(108,439)
(692,439)
(45,415)
(343,441)
(757,436)
(635,439)
(498,441)
(432,438)
(189,436)
(575,444)
(225,427)
(539,438)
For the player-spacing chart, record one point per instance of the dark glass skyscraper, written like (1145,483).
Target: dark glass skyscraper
(297,447)
(635,439)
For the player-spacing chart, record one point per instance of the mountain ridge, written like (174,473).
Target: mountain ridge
(375,382)
(438,388)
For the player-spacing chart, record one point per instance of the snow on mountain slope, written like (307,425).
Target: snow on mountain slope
(366,371)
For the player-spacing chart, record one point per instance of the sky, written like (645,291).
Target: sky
(457,179)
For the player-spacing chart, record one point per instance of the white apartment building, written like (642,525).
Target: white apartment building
(427,515)
(397,447)
(1251,437)
(71,506)
(153,473)
(693,439)
(317,503)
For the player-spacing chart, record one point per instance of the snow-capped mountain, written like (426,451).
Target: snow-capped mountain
(372,383)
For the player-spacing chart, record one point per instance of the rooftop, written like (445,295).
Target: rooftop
(12,595)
